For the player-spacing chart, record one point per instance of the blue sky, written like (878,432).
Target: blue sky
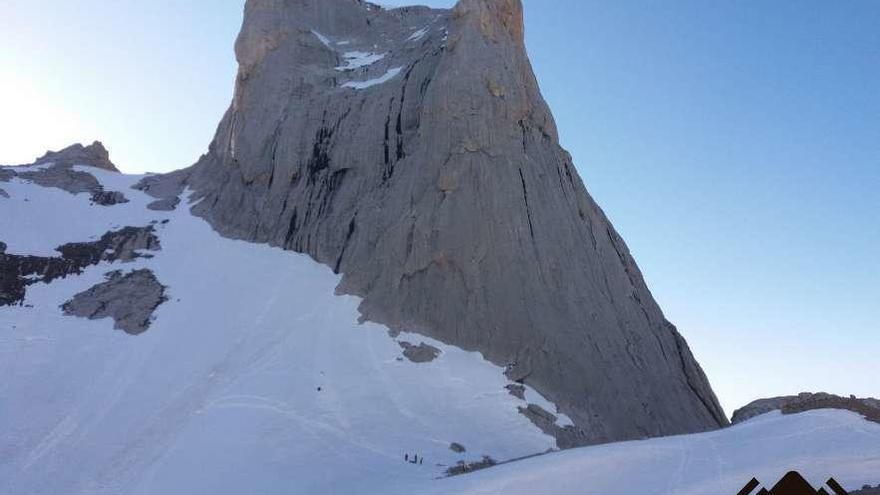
(735,146)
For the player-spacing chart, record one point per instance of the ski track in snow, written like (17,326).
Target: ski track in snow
(220,394)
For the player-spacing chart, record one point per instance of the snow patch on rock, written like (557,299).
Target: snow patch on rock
(356,60)
(323,39)
(416,36)
(389,75)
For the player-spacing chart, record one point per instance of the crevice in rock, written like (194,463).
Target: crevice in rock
(695,388)
(528,208)
(320,159)
(351,228)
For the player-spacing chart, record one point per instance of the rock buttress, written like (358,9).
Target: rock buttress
(443,197)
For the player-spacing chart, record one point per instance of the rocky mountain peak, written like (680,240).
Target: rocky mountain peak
(493,17)
(411,151)
(93,155)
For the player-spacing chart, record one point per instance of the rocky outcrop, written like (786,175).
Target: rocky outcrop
(422,353)
(17,272)
(94,155)
(56,169)
(793,404)
(566,436)
(63,177)
(129,300)
(108,198)
(166,204)
(469,467)
(167,188)
(411,151)
(517,390)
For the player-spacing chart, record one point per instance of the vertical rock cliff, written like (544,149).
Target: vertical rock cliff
(411,151)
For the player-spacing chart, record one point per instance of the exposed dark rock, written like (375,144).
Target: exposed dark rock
(517,390)
(19,271)
(566,437)
(166,204)
(422,353)
(63,176)
(118,245)
(2,247)
(457,447)
(3,193)
(469,467)
(94,155)
(867,490)
(793,404)
(108,198)
(129,299)
(58,172)
(444,199)
(166,188)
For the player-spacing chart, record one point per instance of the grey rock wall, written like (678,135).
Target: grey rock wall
(433,180)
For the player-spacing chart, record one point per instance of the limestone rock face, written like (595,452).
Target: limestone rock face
(411,151)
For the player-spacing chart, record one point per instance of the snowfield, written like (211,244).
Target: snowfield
(256,378)
(221,394)
(818,444)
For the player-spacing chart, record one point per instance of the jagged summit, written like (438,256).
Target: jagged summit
(94,155)
(411,151)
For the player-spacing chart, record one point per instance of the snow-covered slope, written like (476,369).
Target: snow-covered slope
(254,377)
(819,444)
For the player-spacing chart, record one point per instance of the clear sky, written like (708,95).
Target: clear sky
(734,144)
